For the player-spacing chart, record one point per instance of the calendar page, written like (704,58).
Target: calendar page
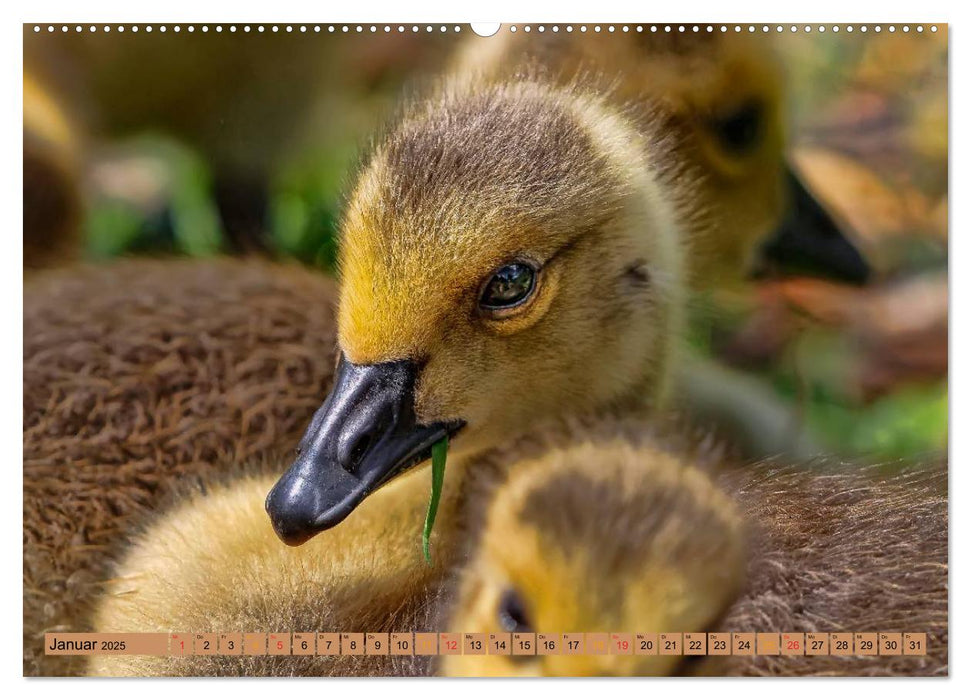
(545,349)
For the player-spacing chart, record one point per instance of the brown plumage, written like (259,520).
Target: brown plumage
(845,548)
(137,376)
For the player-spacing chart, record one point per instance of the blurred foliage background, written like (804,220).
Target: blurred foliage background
(185,136)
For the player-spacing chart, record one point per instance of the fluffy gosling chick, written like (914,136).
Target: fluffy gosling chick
(599,538)
(511,252)
(724,99)
(538,220)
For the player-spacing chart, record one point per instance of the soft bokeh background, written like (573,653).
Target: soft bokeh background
(171,124)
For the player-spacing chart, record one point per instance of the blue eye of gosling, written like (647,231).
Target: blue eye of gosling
(512,612)
(509,286)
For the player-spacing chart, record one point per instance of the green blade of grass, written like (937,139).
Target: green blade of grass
(439,451)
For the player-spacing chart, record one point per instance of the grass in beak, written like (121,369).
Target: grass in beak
(439,451)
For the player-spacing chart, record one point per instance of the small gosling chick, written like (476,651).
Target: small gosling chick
(511,253)
(536,223)
(599,537)
(724,99)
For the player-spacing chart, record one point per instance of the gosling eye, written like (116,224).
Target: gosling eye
(512,612)
(740,130)
(508,287)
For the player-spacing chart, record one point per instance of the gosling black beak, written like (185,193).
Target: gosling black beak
(809,242)
(364,435)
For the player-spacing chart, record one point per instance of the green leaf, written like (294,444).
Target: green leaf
(439,451)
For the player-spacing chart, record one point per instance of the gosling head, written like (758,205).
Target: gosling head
(728,93)
(597,538)
(724,97)
(506,256)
